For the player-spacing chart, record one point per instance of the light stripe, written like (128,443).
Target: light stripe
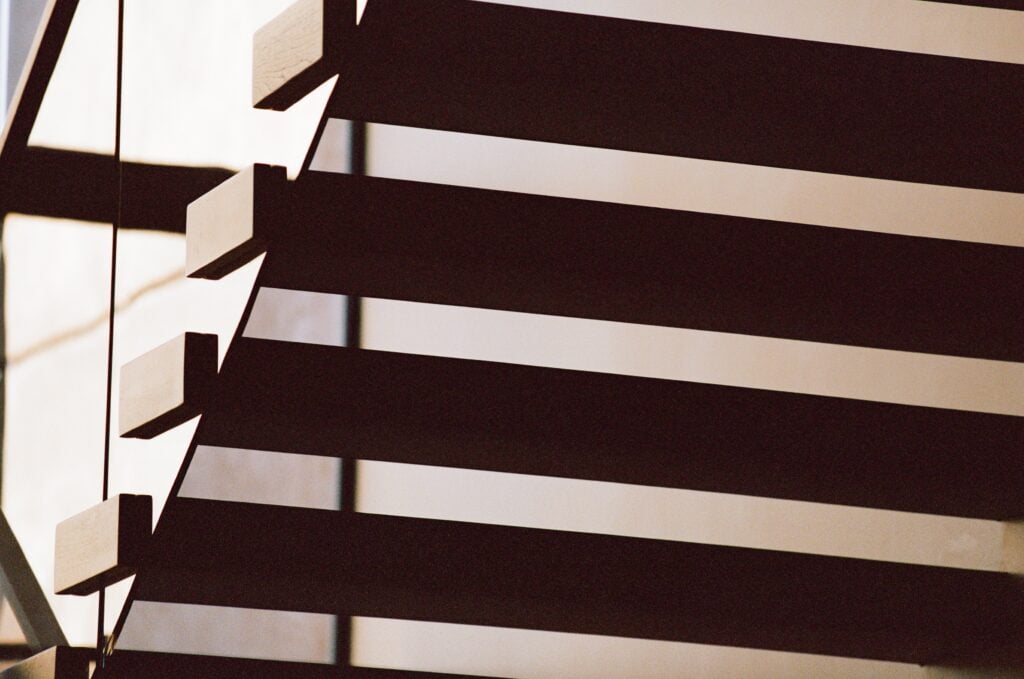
(905,25)
(293,316)
(529,654)
(283,479)
(696,355)
(884,375)
(681,515)
(685,184)
(677,514)
(231,632)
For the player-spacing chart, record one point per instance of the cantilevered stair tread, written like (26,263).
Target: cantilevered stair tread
(207,552)
(102,545)
(299,49)
(167,385)
(594,81)
(146,665)
(429,410)
(470,247)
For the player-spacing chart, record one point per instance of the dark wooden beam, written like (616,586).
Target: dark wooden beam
(166,386)
(59,662)
(509,418)
(469,247)
(299,50)
(102,545)
(593,81)
(15,652)
(83,186)
(206,552)
(145,665)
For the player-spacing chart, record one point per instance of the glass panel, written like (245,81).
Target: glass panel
(56,291)
(186,106)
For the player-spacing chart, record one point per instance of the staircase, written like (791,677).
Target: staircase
(507,71)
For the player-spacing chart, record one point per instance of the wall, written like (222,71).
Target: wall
(186,102)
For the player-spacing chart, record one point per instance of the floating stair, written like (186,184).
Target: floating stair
(102,545)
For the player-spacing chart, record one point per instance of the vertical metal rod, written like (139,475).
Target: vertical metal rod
(100,636)
(353,339)
(5,66)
